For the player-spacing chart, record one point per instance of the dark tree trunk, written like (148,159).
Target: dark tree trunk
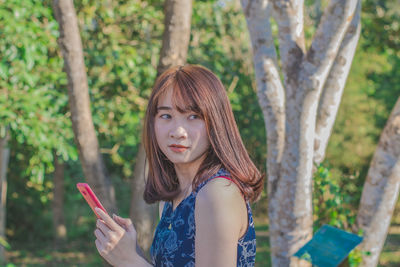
(60,231)
(4,159)
(82,123)
(176,36)
(174,49)
(143,215)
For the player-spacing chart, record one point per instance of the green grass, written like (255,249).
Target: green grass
(390,256)
(84,253)
(263,251)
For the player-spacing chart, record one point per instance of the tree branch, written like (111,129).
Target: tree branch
(326,42)
(381,190)
(269,87)
(334,86)
(289,16)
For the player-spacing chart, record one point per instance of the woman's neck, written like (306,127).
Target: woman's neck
(186,173)
(185,177)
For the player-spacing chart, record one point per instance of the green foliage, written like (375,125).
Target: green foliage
(306,257)
(4,243)
(355,258)
(121,42)
(381,17)
(370,94)
(31,102)
(330,204)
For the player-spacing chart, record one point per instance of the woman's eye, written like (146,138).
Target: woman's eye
(165,116)
(194,116)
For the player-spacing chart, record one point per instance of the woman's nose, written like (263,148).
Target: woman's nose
(178,133)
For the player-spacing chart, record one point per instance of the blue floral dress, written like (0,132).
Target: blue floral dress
(174,238)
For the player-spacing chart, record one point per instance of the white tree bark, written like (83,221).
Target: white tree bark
(291,115)
(333,88)
(289,16)
(272,101)
(269,87)
(381,190)
(326,42)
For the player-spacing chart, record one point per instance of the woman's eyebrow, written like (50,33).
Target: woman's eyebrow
(163,108)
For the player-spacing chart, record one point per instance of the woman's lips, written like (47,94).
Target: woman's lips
(178,148)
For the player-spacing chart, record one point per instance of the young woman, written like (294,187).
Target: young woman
(199,172)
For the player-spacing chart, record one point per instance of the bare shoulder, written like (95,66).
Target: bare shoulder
(220,189)
(222,199)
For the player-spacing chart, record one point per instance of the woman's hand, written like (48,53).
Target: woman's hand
(116,239)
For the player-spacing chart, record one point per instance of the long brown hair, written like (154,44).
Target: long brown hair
(199,90)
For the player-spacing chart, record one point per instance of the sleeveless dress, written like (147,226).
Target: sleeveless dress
(174,239)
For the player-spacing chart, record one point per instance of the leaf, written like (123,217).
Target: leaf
(4,243)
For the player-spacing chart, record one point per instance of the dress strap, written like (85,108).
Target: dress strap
(222,173)
(222,176)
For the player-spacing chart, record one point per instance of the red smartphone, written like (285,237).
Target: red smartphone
(90,197)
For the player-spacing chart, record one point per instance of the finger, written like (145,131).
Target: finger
(126,223)
(119,222)
(108,220)
(105,245)
(103,228)
(100,237)
(104,252)
(100,248)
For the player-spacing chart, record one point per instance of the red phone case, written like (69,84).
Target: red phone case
(90,197)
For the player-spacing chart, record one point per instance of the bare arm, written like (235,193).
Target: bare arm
(221,216)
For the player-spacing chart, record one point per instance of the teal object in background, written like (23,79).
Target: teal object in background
(329,247)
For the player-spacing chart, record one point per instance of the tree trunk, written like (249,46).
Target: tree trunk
(291,113)
(4,159)
(271,97)
(174,49)
(381,190)
(60,231)
(176,36)
(143,215)
(82,123)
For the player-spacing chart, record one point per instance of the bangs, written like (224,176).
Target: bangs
(185,96)
(183,99)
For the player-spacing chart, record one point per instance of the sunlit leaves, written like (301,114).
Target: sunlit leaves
(32,100)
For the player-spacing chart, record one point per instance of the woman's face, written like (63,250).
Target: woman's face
(182,137)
